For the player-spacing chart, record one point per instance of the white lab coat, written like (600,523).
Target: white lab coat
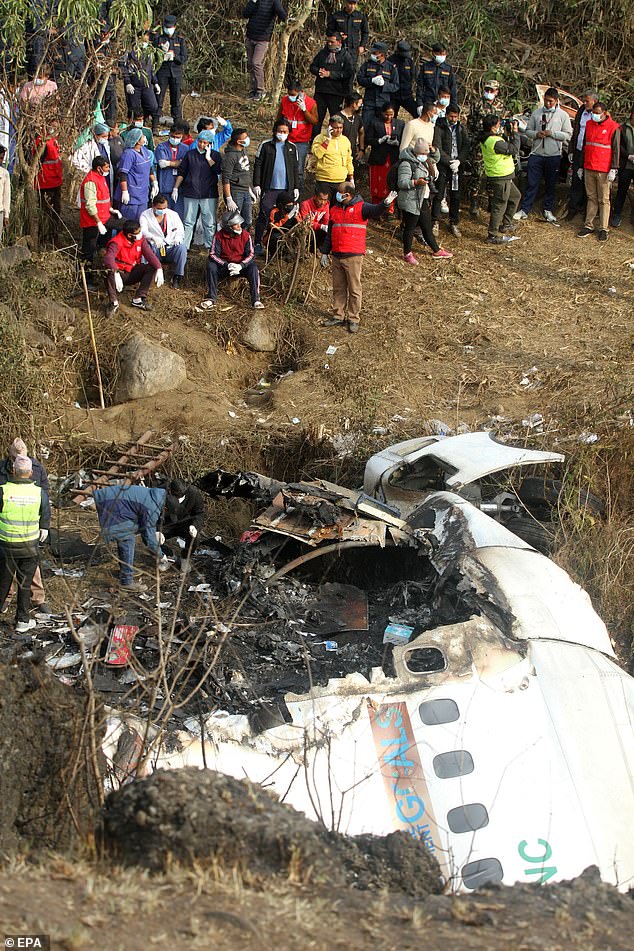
(151,228)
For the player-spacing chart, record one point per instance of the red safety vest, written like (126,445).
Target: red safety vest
(300,129)
(597,152)
(103,200)
(127,255)
(50,174)
(348,229)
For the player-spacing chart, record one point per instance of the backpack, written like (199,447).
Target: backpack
(392,175)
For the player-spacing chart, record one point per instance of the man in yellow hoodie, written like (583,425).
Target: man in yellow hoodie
(333,156)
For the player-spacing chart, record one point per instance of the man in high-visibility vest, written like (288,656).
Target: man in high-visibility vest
(499,154)
(24,522)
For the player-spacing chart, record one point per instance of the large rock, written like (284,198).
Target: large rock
(56,314)
(146,369)
(260,334)
(11,257)
(38,340)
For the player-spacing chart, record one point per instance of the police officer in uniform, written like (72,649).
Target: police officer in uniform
(488,104)
(402,59)
(379,78)
(433,74)
(170,72)
(354,28)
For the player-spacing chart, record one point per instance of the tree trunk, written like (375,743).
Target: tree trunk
(279,49)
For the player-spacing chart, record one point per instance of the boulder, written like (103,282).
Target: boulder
(260,333)
(145,369)
(56,314)
(11,257)
(38,340)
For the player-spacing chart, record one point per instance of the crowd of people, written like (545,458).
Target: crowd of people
(147,193)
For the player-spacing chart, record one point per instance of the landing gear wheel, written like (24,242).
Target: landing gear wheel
(541,536)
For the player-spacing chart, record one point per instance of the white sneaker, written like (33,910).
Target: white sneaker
(23,626)
(444,207)
(520,215)
(550,218)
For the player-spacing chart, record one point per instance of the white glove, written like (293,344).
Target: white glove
(175,194)
(154,189)
(208,153)
(351,182)
(392,141)
(301,102)
(129,89)
(101,228)
(329,133)
(118,281)
(378,81)
(324,227)
(116,213)
(230,203)
(293,212)
(252,194)
(630,158)
(295,194)
(164,163)
(163,564)
(611,174)
(580,173)
(383,139)
(234,268)
(324,260)
(454,165)
(169,56)
(157,89)
(160,537)
(159,277)
(390,198)
(43,535)
(257,191)
(419,110)
(165,46)
(125,197)
(193,531)
(221,122)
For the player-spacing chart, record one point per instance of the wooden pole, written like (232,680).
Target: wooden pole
(92,336)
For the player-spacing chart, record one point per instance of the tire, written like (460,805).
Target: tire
(541,536)
(542,495)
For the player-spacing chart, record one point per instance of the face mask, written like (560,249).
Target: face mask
(339,197)
(489,95)
(159,212)
(143,141)
(245,142)
(39,82)
(144,45)
(433,119)
(374,57)
(139,124)
(174,141)
(596,118)
(170,30)
(444,102)
(549,108)
(282,136)
(133,237)
(105,173)
(423,158)
(440,59)
(237,229)
(102,140)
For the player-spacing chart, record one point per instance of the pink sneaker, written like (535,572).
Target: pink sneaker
(409,258)
(441,253)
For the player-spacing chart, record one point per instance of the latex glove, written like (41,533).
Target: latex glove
(390,198)
(118,281)
(301,102)
(234,268)
(175,194)
(295,194)
(351,182)
(392,141)
(293,212)
(329,133)
(383,139)
(159,277)
(165,46)
(129,89)
(221,122)
(208,154)
(324,227)
(580,173)
(154,190)
(193,531)
(378,81)
(630,158)
(125,197)
(230,203)
(257,191)
(157,89)
(169,56)
(164,163)
(419,110)
(43,535)
(116,213)
(454,165)
(252,194)
(101,228)
(160,538)
(324,260)
(611,174)
(163,564)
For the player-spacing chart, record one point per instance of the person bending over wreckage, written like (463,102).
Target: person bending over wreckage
(125,511)
(183,519)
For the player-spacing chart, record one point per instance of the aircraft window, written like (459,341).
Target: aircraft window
(452,764)
(425,660)
(434,712)
(468,818)
(482,872)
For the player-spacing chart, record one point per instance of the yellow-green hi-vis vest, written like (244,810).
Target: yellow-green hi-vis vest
(496,165)
(20,515)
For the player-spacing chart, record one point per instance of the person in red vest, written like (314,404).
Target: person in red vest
(317,209)
(600,164)
(124,267)
(300,111)
(96,215)
(349,216)
(48,183)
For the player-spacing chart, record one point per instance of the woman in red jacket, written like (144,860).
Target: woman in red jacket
(48,183)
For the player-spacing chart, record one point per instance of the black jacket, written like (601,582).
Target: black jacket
(261,15)
(431,77)
(353,27)
(178,516)
(265,160)
(442,142)
(378,97)
(406,75)
(138,71)
(177,46)
(341,72)
(380,151)
(576,126)
(39,476)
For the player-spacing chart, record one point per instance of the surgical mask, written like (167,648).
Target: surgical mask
(106,174)
(102,139)
(549,108)
(339,197)
(139,124)
(433,119)
(490,96)
(170,30)
(444,101)
(292,98)
(133,237)
(596,118)
(440,59)
(174,141)
(202,146)
(237,229)
(39,82)
(281,136)
(422,158)
(374,57)
(159,212)
(143,141)
(245,142)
